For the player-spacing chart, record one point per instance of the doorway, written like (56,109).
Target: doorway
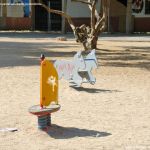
(55,20)
(45,21)
(41,15)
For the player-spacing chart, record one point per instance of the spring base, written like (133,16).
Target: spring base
(44,121)
(44,114)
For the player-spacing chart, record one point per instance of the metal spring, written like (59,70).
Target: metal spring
(44,121)
(49,120)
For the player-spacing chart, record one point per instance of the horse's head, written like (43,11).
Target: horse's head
(79,61)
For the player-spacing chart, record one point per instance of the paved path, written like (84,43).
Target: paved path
(110,37)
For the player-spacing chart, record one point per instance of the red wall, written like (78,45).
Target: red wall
(18,23)
(142,24)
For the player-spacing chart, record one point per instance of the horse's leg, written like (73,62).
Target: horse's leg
(92,79)
(76,80)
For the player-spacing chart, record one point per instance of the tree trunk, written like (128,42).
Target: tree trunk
(90,43)
(94,43)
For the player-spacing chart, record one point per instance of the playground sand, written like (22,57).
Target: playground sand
(113,114)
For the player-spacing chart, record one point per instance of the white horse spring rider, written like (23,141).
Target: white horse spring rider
(78,70)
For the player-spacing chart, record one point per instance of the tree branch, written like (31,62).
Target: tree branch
(90,6)
(96,13)
(101,23)
(84,2)
(93,15)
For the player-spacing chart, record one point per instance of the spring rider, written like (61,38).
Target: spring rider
(48,94)
(79,69)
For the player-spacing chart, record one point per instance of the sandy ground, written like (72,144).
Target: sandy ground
(113,114)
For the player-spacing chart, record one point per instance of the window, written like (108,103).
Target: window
(147,6)
(137,6)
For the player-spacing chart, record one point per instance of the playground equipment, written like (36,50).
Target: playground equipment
(48,94)
(78,70)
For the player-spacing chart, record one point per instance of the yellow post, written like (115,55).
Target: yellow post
(48,83)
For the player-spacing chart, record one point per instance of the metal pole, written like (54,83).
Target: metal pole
(109,16)
(49,17)
(64,9)
(129,17)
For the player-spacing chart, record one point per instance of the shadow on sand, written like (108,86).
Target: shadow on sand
(93,90)
(14,53)
(131,56)
(59,132)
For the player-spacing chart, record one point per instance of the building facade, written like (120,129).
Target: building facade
(141,13)
(15,17)
(28,17)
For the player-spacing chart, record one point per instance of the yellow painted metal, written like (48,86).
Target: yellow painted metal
(48,83)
